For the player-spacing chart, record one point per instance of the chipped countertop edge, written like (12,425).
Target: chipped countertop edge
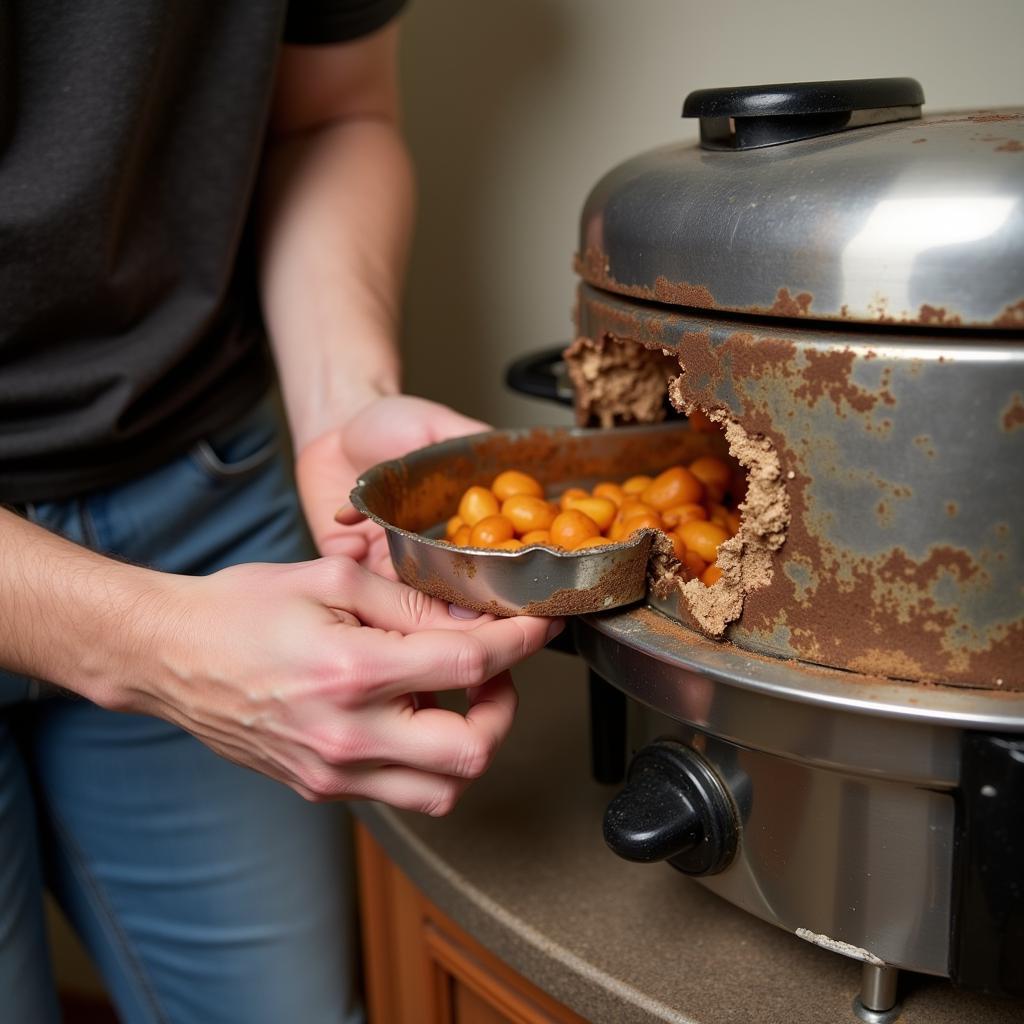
(515,941)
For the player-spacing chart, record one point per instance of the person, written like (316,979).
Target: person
(180,183)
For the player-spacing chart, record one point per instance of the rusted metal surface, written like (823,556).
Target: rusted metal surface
(905,476)
(412,497)
(919,223)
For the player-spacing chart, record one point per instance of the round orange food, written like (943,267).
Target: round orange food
(593,542)
(679,514)
(676,486)
(635,484)
(613,492)
(571,527)
(476,504)
(490,531)
(512,481)
(601,510)
(528,513)
(714,474)
(536,537)
(711,575)
(703,538)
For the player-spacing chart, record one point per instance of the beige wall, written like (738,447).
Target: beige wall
(515,108)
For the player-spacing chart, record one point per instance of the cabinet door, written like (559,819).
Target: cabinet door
(421,968)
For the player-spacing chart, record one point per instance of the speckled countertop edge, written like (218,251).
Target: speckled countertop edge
(592,993)
(520,865)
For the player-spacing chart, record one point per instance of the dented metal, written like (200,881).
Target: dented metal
(903,464)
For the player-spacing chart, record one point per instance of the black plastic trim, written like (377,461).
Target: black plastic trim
(987,940)
(536,374)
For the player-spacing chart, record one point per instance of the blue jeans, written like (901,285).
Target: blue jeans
(206,894)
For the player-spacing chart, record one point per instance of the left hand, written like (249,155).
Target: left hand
(326,469)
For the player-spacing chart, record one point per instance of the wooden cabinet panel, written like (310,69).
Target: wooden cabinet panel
(469,1008)
(421,968)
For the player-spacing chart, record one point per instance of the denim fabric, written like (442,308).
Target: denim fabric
(206,893)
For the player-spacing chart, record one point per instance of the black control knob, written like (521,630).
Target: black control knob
(674,808)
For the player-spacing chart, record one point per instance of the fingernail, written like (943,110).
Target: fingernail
(457,612)
(341,511)
(556,627)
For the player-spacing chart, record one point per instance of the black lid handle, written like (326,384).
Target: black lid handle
(753,116)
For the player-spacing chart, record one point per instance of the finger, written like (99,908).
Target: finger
(441,659)
(386,604)
(405,788)
(348,515)
(383,566)
(449,423)
(445,742)
(351,545)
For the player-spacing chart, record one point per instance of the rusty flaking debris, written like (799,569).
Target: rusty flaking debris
(746,559)
(621,383)
(618,384)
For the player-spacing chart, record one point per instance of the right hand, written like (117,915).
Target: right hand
(309,673)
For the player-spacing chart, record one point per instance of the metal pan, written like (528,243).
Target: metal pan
(412,497)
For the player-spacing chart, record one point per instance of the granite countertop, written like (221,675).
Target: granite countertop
(521,865)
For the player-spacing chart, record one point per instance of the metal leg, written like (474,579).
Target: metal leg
(607,731)
(876,1002)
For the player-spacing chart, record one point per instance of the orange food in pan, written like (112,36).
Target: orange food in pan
(695,506)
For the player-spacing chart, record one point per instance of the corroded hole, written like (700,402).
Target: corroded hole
(619,381)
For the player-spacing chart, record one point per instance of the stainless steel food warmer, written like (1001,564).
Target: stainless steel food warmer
(837,745)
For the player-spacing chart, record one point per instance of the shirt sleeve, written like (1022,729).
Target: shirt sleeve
(318,22)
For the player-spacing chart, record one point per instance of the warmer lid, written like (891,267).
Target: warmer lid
(821,200)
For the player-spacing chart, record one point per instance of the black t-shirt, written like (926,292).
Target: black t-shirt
(130,136)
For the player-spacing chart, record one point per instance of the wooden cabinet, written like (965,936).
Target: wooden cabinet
(421,968)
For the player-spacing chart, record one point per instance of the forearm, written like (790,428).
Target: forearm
(337,216)
(73,617)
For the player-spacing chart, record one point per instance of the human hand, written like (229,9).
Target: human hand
(327,468)
(310,672)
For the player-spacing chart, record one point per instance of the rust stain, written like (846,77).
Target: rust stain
(1013,417)
(981,117)
(898,567)
(828,373)
(787,305)
(932,315)
(594,267)
(920,140)
(1011,146)
(682,294)
(881,613)
(924,442)
(1012,316)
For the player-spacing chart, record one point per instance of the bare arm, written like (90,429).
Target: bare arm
(307,672)
(337,209)
(71,616)
(337,215)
